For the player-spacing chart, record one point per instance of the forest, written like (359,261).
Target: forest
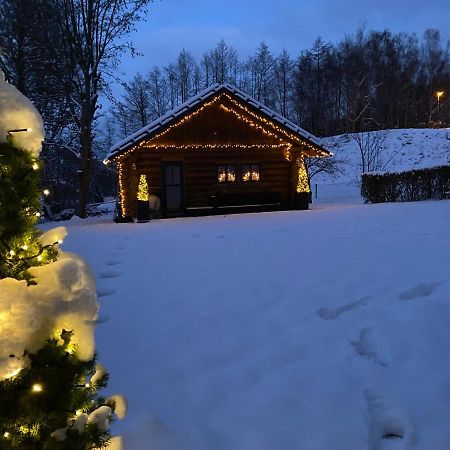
(64,54)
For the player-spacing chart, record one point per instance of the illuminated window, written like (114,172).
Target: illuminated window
(226,173)
(250,172)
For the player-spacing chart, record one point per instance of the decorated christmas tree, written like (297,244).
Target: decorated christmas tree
(49,379)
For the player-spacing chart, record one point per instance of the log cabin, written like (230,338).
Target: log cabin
(220,151)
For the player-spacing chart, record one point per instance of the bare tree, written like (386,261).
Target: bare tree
(95,32)
(283,77)
(331,166)
(137,101)
(158,93)
(370,145)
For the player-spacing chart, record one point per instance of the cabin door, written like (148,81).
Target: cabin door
(173,186)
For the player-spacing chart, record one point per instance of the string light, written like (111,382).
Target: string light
(13,373)
(39,258)
(46,192)
(37,387)
(142,189)
(25,247)
(6,434)
(286,141)
(35,166)
(302,180)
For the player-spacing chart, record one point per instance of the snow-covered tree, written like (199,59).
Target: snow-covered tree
(49,379)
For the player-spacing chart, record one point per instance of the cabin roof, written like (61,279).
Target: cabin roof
(216,89)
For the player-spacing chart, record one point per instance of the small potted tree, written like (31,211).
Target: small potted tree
(143,208)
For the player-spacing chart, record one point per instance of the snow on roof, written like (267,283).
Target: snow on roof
(123,145)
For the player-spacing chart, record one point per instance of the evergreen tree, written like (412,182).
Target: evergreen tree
(49,379)
(56,391)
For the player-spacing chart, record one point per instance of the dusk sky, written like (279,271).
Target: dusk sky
(292,24)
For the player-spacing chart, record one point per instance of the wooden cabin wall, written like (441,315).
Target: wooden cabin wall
(211,129)
(200,173)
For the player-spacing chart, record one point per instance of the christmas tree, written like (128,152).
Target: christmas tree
(142,194)
(49,379)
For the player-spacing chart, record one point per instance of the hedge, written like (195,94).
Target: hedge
(410,186)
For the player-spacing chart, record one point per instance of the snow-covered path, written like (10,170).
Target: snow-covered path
(276,331)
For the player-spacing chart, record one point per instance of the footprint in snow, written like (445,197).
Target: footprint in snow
(105,292)
(419,291)
(109,274)
(389,427)
(331,314)
(372,346)
(113,262)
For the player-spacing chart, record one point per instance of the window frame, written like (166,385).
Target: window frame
(250,166)
(227,180)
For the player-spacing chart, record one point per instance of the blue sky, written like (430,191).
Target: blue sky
(198,25)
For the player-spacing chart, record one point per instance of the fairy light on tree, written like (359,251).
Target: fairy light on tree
(48,309)
(142,189)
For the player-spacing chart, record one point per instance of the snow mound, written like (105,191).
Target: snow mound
(63,298)
(17,112)
(389,427)
(372,346)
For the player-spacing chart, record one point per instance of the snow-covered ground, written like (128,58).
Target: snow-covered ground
(316,330)
(400,150)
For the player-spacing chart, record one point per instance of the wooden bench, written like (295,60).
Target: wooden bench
(245,199)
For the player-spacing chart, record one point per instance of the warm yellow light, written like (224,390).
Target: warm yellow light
(39,258)
(25,247)
(12,252)
(439,94)
(35,166)
(37,387)
(88,385)
(46,192)
(78,412)
(143,188)
(302,180)
(6,435)
(60,241)
(14,373)
(29,129)
(38,214)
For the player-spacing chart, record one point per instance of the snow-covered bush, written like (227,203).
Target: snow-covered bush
(413,185)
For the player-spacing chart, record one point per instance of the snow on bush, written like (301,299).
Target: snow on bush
(17,112)
(63,298)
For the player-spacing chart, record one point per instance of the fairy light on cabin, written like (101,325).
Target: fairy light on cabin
(258,121)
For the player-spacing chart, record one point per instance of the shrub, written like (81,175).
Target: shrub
(409,186)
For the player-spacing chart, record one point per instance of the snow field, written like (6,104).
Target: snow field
(322,329)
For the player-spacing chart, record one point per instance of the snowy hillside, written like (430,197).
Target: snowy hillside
(316,330)
(403,149)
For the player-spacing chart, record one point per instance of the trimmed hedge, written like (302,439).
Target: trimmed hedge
(410,186)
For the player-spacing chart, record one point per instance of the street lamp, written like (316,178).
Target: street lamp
(439,94)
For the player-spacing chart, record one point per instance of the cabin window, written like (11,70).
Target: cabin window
(250,172)
(226,173)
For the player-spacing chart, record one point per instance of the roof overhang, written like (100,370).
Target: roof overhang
(310,145)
